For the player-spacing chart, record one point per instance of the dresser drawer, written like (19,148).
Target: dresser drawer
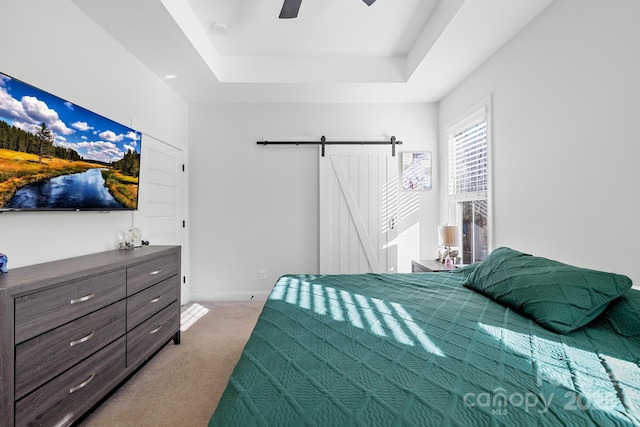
(68,396)
(47,355)
(145,304)
(46,310)
(149,273)
(144,340)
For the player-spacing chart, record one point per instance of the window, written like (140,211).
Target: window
(469,182)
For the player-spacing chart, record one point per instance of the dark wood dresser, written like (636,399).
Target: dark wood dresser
(74,329)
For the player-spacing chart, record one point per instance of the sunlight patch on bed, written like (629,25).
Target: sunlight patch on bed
(191,315)
(369,314)
(376,315)
(280,290)
(292,292)
(352,310)
(318,300)
(392,322)
(334,305)
(305,295)
(581,386)
(416,330)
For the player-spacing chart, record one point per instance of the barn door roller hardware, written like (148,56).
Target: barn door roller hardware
(323,141)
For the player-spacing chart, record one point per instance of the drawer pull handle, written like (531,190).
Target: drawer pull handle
(155,330)
(82,384)
(83,299)
(154,272)
(81,340)
(156,299)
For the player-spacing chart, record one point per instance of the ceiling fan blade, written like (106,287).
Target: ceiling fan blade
(369,2)
(290,9)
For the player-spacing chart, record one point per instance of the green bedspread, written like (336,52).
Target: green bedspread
(422,350)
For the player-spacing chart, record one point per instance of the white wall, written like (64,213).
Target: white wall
(566,149)
(52,45)
(256,208)
(565,152)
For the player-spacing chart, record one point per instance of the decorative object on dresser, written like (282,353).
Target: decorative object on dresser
(72,330)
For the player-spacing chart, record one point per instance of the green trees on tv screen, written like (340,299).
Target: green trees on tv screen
(42,144)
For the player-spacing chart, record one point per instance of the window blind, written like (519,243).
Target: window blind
(468,157)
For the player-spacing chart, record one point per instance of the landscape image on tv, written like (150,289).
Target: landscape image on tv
(55,155)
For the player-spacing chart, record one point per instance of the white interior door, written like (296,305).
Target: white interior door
(358,210)
(161,209)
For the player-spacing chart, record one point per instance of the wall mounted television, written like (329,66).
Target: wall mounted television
(55,155)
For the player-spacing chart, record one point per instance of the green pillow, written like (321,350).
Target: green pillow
(558,296)
(623,315)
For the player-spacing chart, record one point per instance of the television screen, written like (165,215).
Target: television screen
(55,155)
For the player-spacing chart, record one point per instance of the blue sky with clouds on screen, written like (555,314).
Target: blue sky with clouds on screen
(93,136)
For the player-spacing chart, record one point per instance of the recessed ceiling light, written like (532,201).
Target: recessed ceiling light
(218,28)
(170,77)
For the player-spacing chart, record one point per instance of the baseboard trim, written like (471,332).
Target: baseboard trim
(217,296)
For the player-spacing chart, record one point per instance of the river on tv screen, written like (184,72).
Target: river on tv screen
(57,155)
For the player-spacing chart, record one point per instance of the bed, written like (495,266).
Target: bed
(494,344)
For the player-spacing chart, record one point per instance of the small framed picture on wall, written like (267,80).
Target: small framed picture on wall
(416,170)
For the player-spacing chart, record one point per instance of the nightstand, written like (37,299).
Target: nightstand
(431,265)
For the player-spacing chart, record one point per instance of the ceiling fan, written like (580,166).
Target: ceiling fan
(290,8)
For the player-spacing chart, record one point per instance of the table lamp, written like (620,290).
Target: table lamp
(449,236)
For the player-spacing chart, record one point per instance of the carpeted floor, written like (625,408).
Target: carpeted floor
(182,384)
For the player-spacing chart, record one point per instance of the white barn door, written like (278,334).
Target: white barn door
(161,209)
(358,210)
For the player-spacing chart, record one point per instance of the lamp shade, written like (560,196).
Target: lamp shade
(448,235)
